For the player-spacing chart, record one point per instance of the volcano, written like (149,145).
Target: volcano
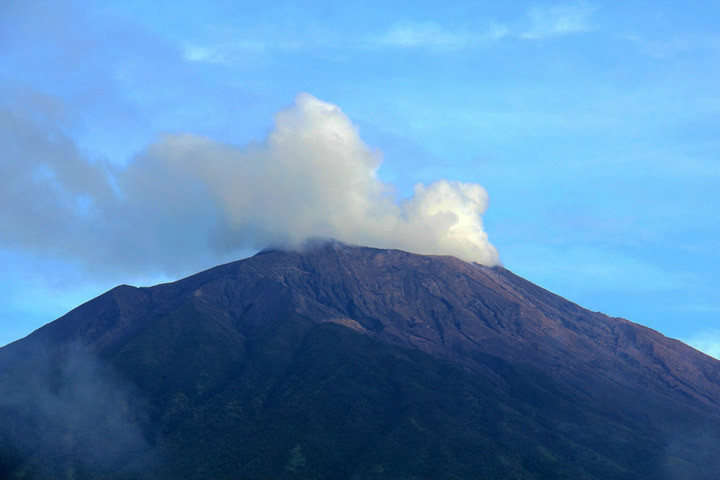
(338,362)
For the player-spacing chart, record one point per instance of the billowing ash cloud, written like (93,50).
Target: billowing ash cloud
(191,200)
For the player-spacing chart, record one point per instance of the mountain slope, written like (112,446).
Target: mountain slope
(349,362)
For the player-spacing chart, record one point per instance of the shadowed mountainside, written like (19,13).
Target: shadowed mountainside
(353,362)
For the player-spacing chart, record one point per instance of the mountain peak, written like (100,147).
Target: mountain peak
(247,337)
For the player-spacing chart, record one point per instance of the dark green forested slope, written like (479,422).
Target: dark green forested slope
(297,399)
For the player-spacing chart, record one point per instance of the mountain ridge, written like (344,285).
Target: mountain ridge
(243,328)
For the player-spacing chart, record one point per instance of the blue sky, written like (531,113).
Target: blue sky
(594,127)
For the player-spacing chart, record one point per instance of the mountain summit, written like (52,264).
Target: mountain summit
(353,362)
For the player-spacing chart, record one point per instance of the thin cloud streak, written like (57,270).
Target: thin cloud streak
(559,20)
(538,24)
(228,53)
(433,36)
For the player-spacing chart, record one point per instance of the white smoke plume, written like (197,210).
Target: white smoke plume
(191,200)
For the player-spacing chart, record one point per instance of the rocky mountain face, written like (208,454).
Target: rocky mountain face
(352,362)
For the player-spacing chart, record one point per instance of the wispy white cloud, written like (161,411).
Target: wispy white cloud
(196,53)
(559,20)
(434,36)
(402,35)
(537,24)
(227,53)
